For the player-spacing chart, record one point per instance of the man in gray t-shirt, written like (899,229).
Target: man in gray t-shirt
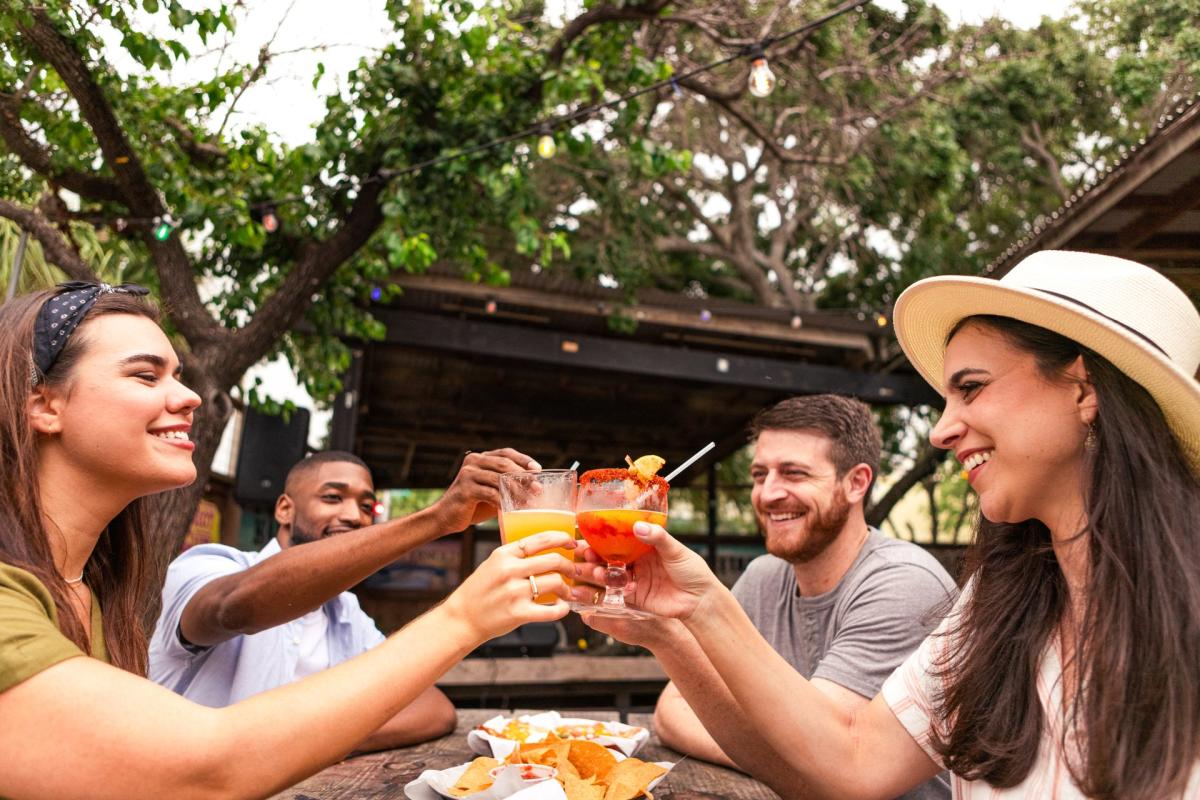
(857,633)
(841,602)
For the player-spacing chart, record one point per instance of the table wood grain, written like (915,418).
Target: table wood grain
(383,775)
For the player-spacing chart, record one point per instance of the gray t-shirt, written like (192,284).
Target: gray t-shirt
(856,634)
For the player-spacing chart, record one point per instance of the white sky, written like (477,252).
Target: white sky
(308,32)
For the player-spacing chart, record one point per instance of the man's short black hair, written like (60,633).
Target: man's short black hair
(304,466)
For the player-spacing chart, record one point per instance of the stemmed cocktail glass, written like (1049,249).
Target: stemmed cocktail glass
(609,502)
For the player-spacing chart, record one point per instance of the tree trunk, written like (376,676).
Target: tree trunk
(928,460)
(171,512)
(931,490)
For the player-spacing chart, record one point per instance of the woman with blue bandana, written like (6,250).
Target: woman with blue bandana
(94,417)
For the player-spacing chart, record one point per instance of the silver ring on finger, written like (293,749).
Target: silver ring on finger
(533,589)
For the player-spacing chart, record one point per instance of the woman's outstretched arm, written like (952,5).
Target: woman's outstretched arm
(84,729)
(830,751)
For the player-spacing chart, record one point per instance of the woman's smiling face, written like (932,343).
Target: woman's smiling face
(1019,434)
(122,414)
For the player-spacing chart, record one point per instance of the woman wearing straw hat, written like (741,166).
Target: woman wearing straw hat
(1070,666)
(93,417)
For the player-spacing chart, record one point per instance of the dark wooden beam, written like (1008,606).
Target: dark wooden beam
(1151,221)
(821,328)
(487,340)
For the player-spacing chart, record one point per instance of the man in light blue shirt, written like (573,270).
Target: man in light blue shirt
(234,624)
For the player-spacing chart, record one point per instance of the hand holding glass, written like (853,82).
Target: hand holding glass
(609,504)
(532,502)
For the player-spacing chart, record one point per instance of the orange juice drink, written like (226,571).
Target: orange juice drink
(609,531)
(515,525)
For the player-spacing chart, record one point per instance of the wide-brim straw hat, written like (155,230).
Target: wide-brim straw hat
(1124,311)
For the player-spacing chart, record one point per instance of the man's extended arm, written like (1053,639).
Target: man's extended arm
(301,579)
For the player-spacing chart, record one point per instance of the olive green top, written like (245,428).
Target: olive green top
(30,640)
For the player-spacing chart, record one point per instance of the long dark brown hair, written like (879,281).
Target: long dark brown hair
(1137,687)
(118,572)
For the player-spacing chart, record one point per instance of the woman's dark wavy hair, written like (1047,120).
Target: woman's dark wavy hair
(119,572)
(1137,685)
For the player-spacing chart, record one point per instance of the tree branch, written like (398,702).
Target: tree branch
(57,249)
(260,69)
(1034,140)
(769,142)
(927,461)
(201,153)
(176,279)
(316,263)
(37,158)
(597,16)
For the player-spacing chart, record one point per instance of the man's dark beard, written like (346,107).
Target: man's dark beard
(823,528)
(301,534)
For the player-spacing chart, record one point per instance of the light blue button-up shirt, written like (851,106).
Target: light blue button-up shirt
(244,665)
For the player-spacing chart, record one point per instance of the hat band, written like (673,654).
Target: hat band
(1134,331)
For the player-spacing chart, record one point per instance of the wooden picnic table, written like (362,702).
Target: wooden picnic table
(383,775)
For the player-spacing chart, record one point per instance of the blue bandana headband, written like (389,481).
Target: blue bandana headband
(61,315)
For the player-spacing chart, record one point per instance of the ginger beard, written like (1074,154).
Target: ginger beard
(801,540)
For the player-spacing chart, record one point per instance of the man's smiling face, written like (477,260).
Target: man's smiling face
(332,498)
(798,497)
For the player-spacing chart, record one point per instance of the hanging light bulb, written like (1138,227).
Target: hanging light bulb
(266,215)
(546,146)
(162,229)
(762,80)
(270,220)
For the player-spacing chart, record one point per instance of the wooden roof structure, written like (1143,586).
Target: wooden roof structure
(537,366)
(1146,207)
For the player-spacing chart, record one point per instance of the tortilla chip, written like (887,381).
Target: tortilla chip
(591,759)
(581,788)
(631,778)
(539,753)
(475,778)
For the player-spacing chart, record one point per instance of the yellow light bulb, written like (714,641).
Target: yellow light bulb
(762,80)
(546,146)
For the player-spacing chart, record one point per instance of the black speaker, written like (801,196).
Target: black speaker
(536,639)
(270,446)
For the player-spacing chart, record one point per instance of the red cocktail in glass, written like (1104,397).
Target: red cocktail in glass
(609,502)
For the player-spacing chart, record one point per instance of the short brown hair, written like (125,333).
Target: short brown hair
(846,422)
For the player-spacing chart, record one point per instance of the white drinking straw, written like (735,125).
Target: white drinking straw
(689,462)
(574,466)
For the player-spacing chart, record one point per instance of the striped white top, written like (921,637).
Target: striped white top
(911,692)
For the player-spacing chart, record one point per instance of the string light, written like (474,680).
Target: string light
(762,80)
(266,215)
(546,146)
(881,321)
(162,229)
